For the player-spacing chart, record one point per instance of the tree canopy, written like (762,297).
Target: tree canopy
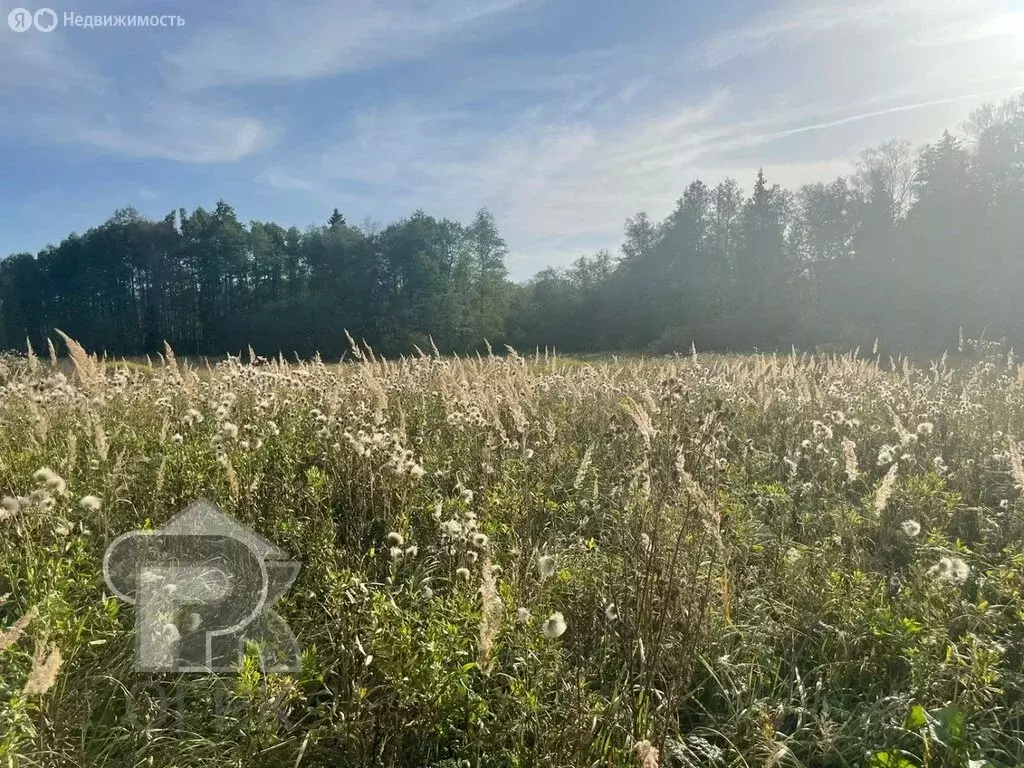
(910,247)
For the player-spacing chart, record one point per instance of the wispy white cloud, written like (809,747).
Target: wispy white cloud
(181,132)
(561,147)
(63,95)
(42,65)
(282,42)
(859,116)
(808,21)
(563,182)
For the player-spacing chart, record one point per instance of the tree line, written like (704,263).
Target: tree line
(908,249)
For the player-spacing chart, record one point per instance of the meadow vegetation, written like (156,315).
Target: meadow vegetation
(512,561)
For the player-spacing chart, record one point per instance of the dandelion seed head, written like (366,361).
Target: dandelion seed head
(50,480)
(546,566)
(9,507)
(950,569)
(91,503)
(554,626)
(911,527)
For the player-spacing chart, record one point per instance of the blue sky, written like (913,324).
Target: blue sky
(562,116)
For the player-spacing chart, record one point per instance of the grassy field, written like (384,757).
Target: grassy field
(512,561)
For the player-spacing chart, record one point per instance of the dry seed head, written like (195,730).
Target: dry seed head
(646,754)
(546,566)
(91,503)
(45,668)
(554,626)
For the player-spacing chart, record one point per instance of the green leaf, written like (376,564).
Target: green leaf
(889,759)
(916,718)
(953,722)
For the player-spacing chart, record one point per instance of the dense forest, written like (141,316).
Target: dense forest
(911,247)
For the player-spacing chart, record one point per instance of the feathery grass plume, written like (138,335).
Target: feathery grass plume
(171,360)
(233,483)
(906,437)
(641,419)
(45,668)
(710,515)
(850,459)
(646,754)
(85,366)
(357,353)
(645,543)
(33,361)
(885,488)
(369,351)
(554,626)
(1016,454)
(12,634)
(53,352)
(490,618)
(584,467)
(99,439)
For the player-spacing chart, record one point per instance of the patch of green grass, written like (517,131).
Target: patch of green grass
(756,560)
